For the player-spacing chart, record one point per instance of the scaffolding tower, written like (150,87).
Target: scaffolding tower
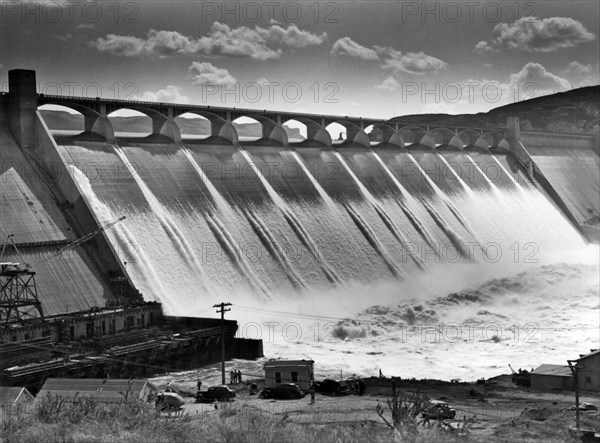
(18,294)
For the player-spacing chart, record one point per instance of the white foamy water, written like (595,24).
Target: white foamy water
(544,314)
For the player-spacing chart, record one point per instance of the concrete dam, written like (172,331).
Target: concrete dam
(221,218)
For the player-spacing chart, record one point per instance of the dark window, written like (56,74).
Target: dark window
(151,318)
(72,333)
(26,336)
(89,330)
(278,377)
(294,377)
(103,327)
(588,379)
(114,326)
(130,321)
(46,332)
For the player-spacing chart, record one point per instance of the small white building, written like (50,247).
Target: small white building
(300,372)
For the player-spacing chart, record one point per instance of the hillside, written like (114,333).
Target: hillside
(574,111)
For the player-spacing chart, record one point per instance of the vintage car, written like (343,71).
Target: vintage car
(332,387)
(215,393)
(438,410)
(282,391)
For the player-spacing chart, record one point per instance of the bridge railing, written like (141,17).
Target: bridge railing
(366,120)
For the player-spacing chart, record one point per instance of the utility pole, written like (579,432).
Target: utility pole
(222,311)
(575,370)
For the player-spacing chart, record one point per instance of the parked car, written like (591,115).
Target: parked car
(438,410)
(282,391)
(332,387)
(584,407)
(215,393)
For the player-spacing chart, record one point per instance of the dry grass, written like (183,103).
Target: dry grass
(85,420)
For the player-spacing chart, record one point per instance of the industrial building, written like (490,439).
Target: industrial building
(552,378)
(588,370)
(101,390)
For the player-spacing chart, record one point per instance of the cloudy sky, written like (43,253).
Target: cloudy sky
(376,59)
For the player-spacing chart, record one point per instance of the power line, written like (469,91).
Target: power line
(400,323)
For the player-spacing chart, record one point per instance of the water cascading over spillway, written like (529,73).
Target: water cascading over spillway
(294,223)
(271,244)
(387,220)
(422,230)
(209,224)
(168,224)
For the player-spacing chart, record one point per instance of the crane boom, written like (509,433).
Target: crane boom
(84,239)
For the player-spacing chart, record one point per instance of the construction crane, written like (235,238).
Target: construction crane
(83,239)
(18,292)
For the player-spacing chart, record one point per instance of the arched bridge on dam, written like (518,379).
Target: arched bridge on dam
(391,132)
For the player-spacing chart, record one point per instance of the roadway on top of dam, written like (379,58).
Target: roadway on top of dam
(392,131)
(172,110)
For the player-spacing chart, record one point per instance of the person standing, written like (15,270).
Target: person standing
(311,391)
(231,377)
(199,385)
(362,387)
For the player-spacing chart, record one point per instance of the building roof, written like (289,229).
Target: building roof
(557,370)
(10,394)
(287,363)
(592,353)
(104,390)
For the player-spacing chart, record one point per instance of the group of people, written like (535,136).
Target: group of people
(235,377)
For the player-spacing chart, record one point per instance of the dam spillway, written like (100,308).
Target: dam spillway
(214,219)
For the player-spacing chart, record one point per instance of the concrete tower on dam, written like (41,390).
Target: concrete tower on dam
(22,104)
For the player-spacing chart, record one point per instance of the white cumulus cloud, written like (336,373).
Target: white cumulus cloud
(207,73)
(170,94)
(531,34)
(577,68)
(257,43)
(347,46)
(389,84)
(417,63)
(534,75)
(484,47)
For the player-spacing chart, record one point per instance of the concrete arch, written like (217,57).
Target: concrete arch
(219,127)
(161,124)
(314,131)
(389,135)
(94,122)
(469,138)
(445,138)
(493,140)
(414,136)
(354,133)
(270,129)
